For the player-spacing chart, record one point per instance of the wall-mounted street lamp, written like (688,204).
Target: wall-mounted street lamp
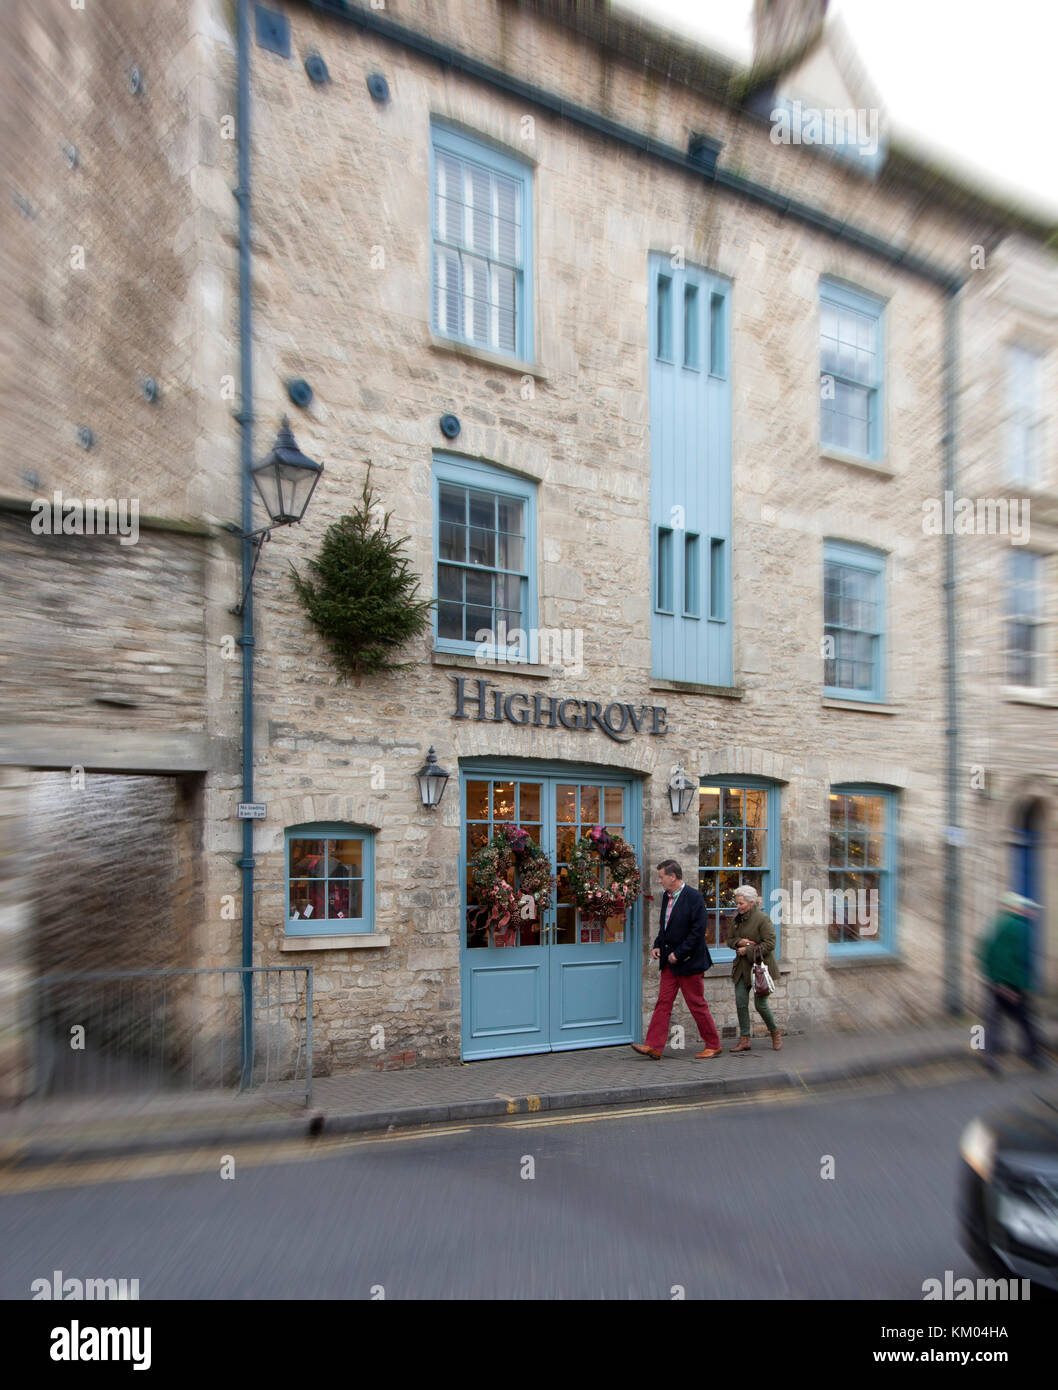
(681,791)
(432,780)
(285,482)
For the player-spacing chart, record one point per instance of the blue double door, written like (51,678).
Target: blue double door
(558,982)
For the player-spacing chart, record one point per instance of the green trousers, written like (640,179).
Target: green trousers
(742,993)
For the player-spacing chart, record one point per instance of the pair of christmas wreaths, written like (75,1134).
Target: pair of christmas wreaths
(512,847)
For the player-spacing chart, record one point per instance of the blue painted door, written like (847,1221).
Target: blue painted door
(1026,876)
(557,983)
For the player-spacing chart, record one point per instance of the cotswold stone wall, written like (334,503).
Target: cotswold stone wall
(100,634)
(342,275)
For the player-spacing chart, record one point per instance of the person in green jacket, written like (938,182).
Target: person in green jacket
(1005,958)
(750,928)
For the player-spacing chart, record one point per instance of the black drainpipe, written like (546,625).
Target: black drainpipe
(245,419)
(947,281)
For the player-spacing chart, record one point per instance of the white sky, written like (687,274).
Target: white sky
(972,80)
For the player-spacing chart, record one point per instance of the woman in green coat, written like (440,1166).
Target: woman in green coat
(751,928)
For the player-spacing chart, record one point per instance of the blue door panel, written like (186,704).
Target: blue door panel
(591,993)
(510,999)
(690,474)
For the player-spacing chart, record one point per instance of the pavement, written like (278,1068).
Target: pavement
(36,1133)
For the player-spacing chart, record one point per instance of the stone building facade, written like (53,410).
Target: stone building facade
(641,392)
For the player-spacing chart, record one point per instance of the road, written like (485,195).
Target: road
(722,1199)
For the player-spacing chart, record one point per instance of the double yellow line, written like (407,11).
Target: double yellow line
(111,1170)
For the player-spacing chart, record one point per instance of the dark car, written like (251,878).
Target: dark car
(1008,1189)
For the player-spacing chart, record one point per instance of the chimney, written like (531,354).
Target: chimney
(782,28)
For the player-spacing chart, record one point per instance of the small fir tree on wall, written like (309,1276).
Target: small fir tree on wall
(363,601)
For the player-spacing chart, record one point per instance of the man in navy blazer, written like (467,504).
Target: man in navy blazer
(684,957)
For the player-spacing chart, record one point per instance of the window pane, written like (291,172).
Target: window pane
(337,899)
(307,898)
(505,299)
(717,355)
(453,503)
(449,291)
(733,806)
(664,574)
(483,509)
(510,513)
(479,588)
(450,582)
(307,859)
(508,594)
(690,326)
(503,801)
(529,801)
(345,858)
(509,552)
(613,803)
(691,582)
(478,625)
(450,621)
(508,212)
(450,213)
(477,801)
(480,198)
(589,806)
(716,579)
(664,327)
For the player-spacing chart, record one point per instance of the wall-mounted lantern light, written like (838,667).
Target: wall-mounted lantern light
(285,481)
(681,791)
(432,780)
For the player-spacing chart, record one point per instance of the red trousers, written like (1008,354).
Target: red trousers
(693,991)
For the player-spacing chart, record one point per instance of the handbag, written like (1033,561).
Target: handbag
(762,981)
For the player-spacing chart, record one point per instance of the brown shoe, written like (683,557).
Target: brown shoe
(776,1040)
(743,1046)
(647,1051)
(709,1052)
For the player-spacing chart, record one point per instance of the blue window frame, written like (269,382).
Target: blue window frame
(851,365)
(481,229)
(484,558)
(330,879)
(861,900)
(738,842)
(853,622)
(1026,626)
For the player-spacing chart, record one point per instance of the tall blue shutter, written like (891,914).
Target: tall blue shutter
(690,473)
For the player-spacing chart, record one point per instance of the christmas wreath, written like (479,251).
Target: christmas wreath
(511,847)
(618,858)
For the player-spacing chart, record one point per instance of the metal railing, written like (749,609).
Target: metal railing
(141,1031)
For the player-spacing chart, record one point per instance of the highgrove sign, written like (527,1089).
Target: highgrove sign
(621,722)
